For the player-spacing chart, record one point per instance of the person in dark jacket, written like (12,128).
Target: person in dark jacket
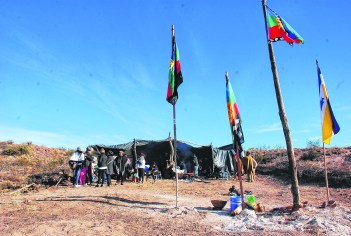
(102,164)
(121,164)
(89,158)
(196,165)
(109,171)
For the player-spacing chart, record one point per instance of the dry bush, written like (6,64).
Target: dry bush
(310,165)
(27,161)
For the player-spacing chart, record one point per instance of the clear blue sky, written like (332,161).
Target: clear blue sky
(75,73)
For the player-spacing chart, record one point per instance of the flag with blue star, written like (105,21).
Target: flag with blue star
(330,126)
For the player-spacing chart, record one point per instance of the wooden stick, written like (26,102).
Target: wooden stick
(27,186)
(58,182)
(326,173)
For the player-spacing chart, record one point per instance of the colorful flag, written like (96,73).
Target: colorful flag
(330,126)
(234,118)
(175,77)
(279,29)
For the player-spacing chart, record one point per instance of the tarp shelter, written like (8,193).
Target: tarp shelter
(212,160)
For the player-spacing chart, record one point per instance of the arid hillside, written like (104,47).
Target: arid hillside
(37,198)
(23,164)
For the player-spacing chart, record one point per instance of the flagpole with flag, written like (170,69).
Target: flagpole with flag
(330,126)
(175,78)
(236,130)
(278,29)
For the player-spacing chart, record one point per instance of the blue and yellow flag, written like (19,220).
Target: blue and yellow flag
(330,126)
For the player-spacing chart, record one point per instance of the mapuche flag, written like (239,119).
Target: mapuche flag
(330,126)
(234,118)
(279,29)
(175,77)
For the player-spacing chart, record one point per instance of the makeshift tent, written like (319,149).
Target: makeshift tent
(212,160)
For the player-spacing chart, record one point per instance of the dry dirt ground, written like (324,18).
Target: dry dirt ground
(149,209)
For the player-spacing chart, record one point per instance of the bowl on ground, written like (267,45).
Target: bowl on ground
(218,204)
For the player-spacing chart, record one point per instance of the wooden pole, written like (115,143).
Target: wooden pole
(237,158)
(326,173)
(240,179)
(175,134)
(212,157)
(284,120)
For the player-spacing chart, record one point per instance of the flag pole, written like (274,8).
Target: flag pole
(240,179)
(175,135)
(237,157)
(284,120)
(326,173)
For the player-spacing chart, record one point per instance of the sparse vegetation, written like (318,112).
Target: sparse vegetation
(22,164)
(313,152)
(16,150)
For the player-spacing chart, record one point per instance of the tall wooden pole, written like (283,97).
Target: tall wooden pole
(326,173)
(237,156)
(284,120)
(175,134)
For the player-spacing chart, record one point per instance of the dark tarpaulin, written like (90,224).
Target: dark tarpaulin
(210,159)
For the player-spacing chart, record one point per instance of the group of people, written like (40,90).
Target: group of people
(86,167)
(82,165)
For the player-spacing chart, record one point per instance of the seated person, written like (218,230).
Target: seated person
(154,171)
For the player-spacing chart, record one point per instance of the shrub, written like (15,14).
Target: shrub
(310,155)
(10,152)
(313,144)
(17,150)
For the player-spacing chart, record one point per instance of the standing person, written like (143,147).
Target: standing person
(140,166)
(109,171)
(251,166)
(196,165)
(121,162)
(89,158)
(102,165)
(76,161)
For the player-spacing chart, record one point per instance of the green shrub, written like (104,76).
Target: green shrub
(10,152)
(313,144)
(19,150)
(310,155)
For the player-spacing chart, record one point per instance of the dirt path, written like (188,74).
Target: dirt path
(149,209)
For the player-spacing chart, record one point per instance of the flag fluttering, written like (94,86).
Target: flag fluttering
(175,77)
(330,126)
(279,29)
(234,118)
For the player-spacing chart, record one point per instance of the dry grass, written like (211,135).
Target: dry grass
(310,164)
(21,164)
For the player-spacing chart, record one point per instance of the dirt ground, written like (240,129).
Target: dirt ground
(150,209)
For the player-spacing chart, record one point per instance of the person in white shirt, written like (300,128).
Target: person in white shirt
(76,161)
(140,166)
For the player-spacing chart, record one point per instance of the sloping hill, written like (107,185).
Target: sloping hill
(22,164)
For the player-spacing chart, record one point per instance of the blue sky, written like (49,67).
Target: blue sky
(75,73)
